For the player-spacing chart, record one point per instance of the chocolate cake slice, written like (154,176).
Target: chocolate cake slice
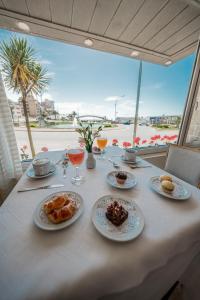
(116,213)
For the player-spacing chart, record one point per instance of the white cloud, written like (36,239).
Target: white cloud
(156,86)
(51,74)
(11,95)
(114,98)
(45,61)
(47,96)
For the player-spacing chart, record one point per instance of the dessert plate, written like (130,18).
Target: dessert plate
(128,184)
(30,173)
(131,162)
(129,230)
(41,220)
(179,193)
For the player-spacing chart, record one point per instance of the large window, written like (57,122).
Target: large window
(102,87)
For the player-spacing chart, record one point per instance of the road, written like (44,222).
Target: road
(62,139)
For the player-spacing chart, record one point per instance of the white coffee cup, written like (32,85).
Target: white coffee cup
(41,166)
(130,154)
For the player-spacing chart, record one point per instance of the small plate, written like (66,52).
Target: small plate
(129,230)
(41,220)
(131,162)
(129,183)
(98,152)
(179,193)
(30,173)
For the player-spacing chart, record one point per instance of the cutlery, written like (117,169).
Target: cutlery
(65,165)
(139,167)
(51,186)
(115,165)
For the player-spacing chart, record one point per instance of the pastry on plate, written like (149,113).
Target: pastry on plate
(55,203)
(116,213)
(63,214)
(165,177)
(167,186)
(121,177)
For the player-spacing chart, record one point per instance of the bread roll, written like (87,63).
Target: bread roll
(167,186)
(165,177)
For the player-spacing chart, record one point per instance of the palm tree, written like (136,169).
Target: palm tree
(22,73)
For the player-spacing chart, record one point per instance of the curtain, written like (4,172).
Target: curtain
(10,165)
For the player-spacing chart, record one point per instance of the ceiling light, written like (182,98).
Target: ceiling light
(23,26)
(88,42)
(169,62)
(135,53)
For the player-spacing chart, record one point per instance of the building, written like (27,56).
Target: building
(124,120)
(16,110)
(48,105)
(33,106)
(169,120)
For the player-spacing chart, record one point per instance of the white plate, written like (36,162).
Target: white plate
(131,162)
(179,193)
(129,230)
(30,173)
(129,183)
(41,220)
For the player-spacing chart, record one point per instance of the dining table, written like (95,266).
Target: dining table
(77,262)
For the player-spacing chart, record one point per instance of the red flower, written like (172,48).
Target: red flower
(136,140)
(115,141)
(126,144)
(153,138)
(44,149)
(144,141)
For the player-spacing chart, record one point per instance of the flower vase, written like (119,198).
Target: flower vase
(90,161)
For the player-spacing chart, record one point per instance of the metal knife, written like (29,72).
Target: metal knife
(51,186)
(140,167)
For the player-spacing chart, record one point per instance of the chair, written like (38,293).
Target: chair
(184,163)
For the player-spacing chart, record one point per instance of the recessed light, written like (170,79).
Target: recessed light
(23,26)
(88,42)
(135,53)
(169,62)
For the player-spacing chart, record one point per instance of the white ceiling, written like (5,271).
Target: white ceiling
(161,30)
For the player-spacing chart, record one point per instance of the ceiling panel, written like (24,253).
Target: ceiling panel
(123,16)
(103,14)
(18,6)
(169,12)
(82,13)
(61,13)
(174,26)
(184,43)
(39,9)
(149,9)
(160,30)
(180,35)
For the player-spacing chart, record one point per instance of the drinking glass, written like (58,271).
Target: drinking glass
(102,142)
(76,157)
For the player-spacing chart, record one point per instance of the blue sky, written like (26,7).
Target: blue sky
(89,81)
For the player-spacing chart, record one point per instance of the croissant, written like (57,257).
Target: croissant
(55,203)
(62,214)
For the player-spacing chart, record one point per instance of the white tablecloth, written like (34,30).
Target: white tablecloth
(77,262)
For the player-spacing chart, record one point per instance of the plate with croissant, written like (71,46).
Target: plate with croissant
(58,210)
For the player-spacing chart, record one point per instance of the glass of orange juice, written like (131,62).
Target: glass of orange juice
(76,157)
(101,143)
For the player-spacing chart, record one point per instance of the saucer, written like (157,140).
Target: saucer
(129,183)
(131,162)
(30,173)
